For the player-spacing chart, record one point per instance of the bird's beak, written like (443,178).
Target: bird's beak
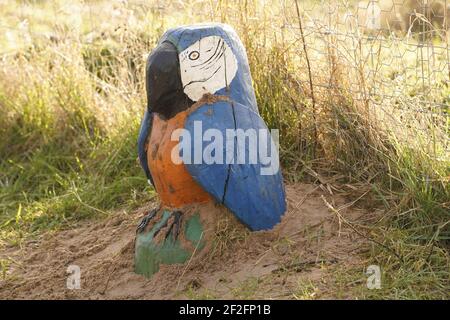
(163,81)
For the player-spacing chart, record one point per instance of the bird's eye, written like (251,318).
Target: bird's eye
(194,55)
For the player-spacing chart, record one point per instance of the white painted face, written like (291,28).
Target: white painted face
(206,67)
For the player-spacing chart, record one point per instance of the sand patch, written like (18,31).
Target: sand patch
(303,248)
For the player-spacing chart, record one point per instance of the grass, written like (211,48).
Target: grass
(246,289)
(306,290)
(72,96)
(57,151)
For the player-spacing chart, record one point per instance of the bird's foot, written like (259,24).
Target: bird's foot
(175,226)
(166,237)
(173,230)
(147,218)
(168,228)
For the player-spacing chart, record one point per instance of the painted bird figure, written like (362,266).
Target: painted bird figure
(199,87)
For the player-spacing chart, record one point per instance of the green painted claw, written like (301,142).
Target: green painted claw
(149,254)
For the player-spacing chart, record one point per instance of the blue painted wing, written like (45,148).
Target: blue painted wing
(257,200)
(146,128)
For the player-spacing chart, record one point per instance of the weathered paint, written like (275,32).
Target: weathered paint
(144,132)
(174,184)
(257,200)
(240,88)
(207,66)
(149,255)
(193,232)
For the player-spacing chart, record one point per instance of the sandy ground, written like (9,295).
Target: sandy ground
(298,256)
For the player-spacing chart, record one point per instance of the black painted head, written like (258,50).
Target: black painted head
(165,94)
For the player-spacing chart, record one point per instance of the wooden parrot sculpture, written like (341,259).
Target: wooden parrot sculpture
(200,74)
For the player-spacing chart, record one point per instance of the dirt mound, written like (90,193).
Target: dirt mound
(308,243)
